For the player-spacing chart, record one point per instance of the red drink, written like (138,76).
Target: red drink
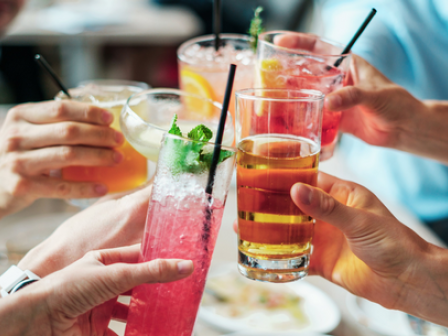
(170,309)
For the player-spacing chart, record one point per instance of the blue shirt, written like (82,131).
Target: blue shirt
(407,41)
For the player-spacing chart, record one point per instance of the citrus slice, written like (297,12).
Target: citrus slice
(198,85)
(268,76)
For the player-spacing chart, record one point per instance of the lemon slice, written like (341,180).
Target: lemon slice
(267,74)
(198,85)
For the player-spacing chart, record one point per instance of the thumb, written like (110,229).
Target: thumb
(319,205)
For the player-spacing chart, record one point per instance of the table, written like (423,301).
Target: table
(81,28)
(226,246)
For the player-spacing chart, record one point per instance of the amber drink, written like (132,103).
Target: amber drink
(274,234)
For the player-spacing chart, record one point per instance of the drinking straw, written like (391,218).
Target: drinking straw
(44,64)
(217,22)
(215,157)
(220,131)
(355,37)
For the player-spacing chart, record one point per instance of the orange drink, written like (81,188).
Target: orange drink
(274,235)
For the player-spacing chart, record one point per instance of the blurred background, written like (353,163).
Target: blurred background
(121,39)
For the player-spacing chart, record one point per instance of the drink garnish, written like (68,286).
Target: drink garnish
(189,157)
(256,27)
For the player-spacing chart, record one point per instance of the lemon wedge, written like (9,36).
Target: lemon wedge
(198,85)
(267,73)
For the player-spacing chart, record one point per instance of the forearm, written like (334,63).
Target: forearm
(426,294)
(23,314)
(426,134)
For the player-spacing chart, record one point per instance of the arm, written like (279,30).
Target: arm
(361,246)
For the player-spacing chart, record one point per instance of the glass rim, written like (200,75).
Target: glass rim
(311,95)
(115,82)
(178,137)
(299,51)
(209,37)
(128,109)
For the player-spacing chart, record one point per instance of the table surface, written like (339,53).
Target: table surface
(226,246)
(122,22)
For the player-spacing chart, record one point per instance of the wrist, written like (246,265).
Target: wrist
(426,290)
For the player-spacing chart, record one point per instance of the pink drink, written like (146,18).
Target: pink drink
(170,309)
(182,223)
(307,63)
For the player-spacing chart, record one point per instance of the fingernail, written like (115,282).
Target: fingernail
(100,189)
(305,194)
(107,117)
(118,157)
(333,102)
(184,266)
(119,138)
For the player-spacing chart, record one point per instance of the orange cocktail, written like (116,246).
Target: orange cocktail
(132,171)
(274,235)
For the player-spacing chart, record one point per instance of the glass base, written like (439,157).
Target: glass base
(273,270)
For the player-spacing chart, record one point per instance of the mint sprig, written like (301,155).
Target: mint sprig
(189,157)
(256,28)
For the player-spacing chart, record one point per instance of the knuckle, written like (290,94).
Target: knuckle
(20,186)
(58,110)
(15,112)
(16,163)
(91,113)
(68,153)
(63,189)
(104,133)
(161,270)
(328,204)
(93,255)
(13,139)
(69,132)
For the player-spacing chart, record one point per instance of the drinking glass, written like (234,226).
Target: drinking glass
(278,142)
(308,63)
(145,127)
(132,171)
(183,222)
(204,71)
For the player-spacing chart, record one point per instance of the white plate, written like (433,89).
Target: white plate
(377,318)
(322,313)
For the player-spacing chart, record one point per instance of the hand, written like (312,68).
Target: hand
(361,246)
(38,138)
(107,224)
(376,110)
(81,299)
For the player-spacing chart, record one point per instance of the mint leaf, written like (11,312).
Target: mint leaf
(223,155)
(201,133)
(256,28)
(174,128)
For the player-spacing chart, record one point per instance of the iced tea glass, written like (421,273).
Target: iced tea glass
(278,142)
(132,171)
(204,71)
(182,223)
(291,60)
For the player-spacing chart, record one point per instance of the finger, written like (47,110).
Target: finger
(128,254)
(321,206)
(348,97)
(64,110)
(296,41)
(56,188)
(120,312)
(69,133)
(37,161)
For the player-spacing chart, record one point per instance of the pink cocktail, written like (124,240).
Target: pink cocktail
(183,222)
(290,60)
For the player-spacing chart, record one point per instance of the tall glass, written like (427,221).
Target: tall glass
(144,127)
(132,171)
(183,222)
(307,63)
(204,71)
(278,142)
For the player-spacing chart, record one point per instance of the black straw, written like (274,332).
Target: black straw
(217,22)
(220,131)
(355,37)
(44,64)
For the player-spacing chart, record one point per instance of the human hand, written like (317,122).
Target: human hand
(38,138)
(361,246)
(107,224)
(81,299)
